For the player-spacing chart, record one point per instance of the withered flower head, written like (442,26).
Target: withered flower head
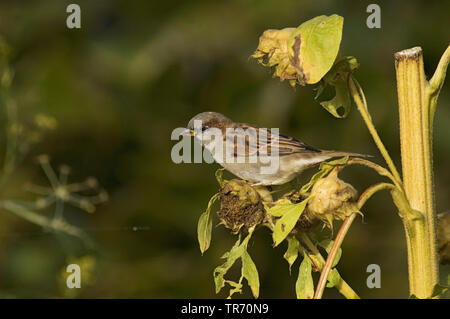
(332,198)
(240,205)
(302,55)
(272,51)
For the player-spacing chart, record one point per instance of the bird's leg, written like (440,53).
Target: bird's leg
(256,184)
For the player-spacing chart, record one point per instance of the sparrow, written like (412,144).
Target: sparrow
(241,141)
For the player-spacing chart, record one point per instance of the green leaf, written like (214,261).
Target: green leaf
(338,77)
(341,99)
(341,70)
(286,223)
(321,173)
(204,230)
(280,207)
(313,47)
(231,256)
(324,169)
(291,253)
(219,174)
(250,273)
(439,290)
(236,287)
(327,244)
(304,287)
(204,226)
(333,163)
(333,278)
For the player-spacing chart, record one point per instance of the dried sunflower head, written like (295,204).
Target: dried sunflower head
(332,198)
(272,51)
(240,205)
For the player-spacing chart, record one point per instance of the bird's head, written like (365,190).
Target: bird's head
(207,120)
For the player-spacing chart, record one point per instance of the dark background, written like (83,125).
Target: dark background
(135,71)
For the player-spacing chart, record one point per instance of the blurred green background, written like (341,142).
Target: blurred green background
(135,71)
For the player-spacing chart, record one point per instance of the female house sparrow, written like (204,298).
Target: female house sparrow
(245,150)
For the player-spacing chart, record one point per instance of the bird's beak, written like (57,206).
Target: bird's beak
(188,132)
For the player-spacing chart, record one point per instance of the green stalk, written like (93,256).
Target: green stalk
(331,256)
(360,101)
(435,84)
(341,235)
(416,106)
(319,263)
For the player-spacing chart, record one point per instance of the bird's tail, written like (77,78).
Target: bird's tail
(339,154)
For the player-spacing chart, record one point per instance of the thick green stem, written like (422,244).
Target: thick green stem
(417,164)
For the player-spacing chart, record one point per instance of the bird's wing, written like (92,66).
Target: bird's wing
(289,145)
(255,141)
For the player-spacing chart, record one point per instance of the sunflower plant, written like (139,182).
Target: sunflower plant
(303,217)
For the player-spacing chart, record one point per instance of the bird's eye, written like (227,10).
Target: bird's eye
(204,128)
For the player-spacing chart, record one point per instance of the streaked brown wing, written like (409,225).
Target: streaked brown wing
(259,145)
(243,145)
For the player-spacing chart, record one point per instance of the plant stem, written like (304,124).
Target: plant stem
(341,235)
(337,243)
(58,225)
(435,84)
(11,135)
(319,262)
(415,138)
(379,169)
(360,101)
